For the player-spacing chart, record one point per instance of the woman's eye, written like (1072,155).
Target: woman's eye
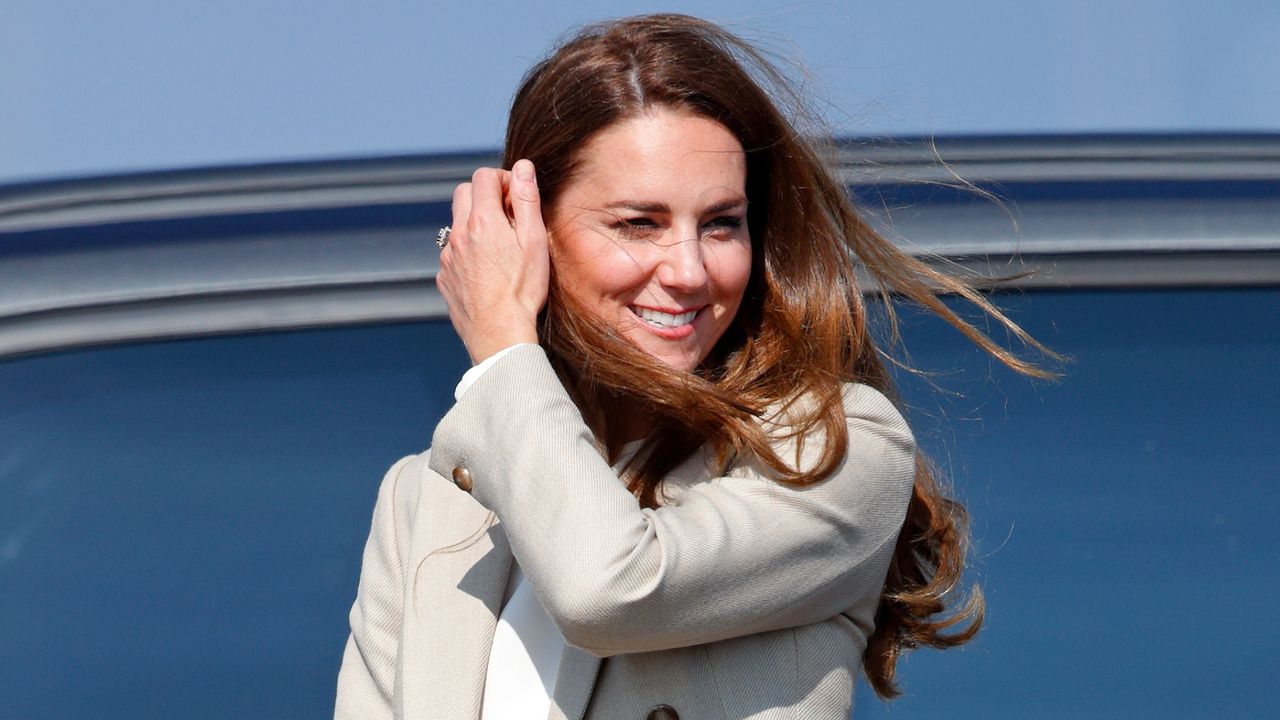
(724,225)
(640,227)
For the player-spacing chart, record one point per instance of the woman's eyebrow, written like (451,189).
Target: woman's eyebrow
(638,206)
(726,205)
(658,207)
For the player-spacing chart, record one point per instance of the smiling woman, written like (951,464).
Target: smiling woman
(651,234)
(147,486)
(677,449)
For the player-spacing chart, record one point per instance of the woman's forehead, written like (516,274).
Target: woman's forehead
(659,157)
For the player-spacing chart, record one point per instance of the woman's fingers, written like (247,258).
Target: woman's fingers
(487,215)
(531,232)
(526,205)
(495,270)
(461,205)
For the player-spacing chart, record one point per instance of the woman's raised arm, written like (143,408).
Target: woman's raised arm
(732,556)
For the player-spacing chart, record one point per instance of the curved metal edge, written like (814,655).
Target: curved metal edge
(956,161)
(345,299)
(978,159)
(299,308)
(192,316)
(235,190)
(1116,271)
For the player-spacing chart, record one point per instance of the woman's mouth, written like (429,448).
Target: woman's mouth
(664,320)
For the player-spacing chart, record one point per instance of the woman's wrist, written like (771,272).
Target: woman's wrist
(486,345)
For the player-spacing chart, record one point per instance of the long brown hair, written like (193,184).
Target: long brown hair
(802,328)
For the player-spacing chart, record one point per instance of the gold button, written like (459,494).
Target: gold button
(462,478)
(663,712)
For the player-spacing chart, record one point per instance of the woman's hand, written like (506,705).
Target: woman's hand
(495,269)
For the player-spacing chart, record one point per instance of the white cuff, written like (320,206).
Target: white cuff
(470,377)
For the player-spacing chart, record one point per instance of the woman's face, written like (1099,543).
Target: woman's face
(651,233)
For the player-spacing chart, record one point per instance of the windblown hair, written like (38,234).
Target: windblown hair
(802,328)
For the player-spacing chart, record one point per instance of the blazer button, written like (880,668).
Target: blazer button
(462,478)
(663,712)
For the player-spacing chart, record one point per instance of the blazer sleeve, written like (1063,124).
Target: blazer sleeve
(366,681)
(736,555)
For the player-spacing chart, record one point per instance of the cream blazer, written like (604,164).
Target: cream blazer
(738,598)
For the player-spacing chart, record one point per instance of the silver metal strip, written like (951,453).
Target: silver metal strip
(171,318)
(170,287)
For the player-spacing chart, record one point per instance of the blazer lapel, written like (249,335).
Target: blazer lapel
(574,682)
(458,589)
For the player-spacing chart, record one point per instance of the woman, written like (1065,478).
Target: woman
(673,485)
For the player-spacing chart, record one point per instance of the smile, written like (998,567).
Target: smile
(660,319)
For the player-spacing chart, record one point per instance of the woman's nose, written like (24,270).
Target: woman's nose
(684,266)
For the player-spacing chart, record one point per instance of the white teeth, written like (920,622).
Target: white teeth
(658,318)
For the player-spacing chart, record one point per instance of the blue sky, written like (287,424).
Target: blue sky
(90,87)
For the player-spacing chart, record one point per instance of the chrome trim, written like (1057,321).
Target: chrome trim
(115,259)
(1037,227)
(235,190)
(1058,158)
(1094,271)
(234,312)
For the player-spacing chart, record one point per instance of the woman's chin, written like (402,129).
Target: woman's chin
(671,357)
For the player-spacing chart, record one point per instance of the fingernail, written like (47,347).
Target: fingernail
(524,171)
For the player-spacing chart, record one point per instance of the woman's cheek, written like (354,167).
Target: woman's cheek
(730,264)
